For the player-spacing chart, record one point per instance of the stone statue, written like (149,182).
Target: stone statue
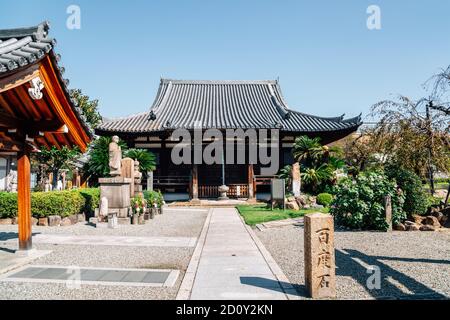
(115,157)
(137,173)
(104,208)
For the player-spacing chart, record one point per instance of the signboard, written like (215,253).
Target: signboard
(277,188)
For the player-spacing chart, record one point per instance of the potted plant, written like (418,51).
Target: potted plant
(138,205)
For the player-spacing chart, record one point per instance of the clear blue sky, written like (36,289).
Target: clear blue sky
(327,60)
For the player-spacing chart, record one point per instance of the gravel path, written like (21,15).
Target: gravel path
(413,265)
(173,223)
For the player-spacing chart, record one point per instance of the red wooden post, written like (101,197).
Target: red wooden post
(24,198)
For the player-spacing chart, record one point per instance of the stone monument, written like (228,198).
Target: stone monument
(388,211)
(320,273)
(117,188)
(115,157)
(137,179)
(296,179)
(127,171)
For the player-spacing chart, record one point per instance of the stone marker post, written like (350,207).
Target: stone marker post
(388,211)
(150,180)
(127,168)
(320,275)
(296,179)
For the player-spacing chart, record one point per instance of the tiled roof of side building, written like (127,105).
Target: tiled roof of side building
(223,104)
(22,47)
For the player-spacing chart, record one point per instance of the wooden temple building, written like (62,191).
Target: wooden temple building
(220,105)
(36,109)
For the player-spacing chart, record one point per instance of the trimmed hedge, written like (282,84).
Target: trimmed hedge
(43,204)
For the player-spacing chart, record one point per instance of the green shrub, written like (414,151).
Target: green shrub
(359,203)
(8,205)
(92,200)
(153,197)
(61,203)
(324,199)
(416,201)
(43,204)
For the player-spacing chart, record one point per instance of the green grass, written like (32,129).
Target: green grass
(262,213)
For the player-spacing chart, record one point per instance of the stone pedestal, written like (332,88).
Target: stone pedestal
(296,179)
(117,192)
(128,172)
(320,275)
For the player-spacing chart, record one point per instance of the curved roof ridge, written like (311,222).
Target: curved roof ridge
(184,81)
(286,106)
(108,120)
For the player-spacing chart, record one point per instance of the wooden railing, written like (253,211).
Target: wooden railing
(171,180)
(236,191)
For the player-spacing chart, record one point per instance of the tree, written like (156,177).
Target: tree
(56,159)
(317,175)
(89,108)
(413,136)
(98,164)
(318,162)
(147,159)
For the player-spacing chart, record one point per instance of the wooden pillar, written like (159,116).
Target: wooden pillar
(194,191)
(24,198)
(251,176)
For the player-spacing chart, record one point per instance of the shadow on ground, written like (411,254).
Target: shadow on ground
(5,236)
(393,283)
(272,285)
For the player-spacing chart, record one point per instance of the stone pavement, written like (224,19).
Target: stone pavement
(232,264)
(113,240)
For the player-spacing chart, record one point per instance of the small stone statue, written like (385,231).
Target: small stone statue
(137,173)
(115,157)
(104,208)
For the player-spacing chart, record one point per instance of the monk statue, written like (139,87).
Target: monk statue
(115,157)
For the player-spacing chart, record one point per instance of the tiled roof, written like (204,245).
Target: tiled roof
(22,47)
(223,104)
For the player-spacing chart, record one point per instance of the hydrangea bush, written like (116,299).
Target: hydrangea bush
(359,202)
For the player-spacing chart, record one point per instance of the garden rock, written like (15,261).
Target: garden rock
(73,218)
(43,222)
(427,227)
(400,227)
(301,200)
(66,222)
(34,221)
(317,206)
(292,205)
(417,219)
(15,220)
(54,221)
(412,226)
(5,221)
(432,221)
(438,215)
(81,217)
(290,199)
